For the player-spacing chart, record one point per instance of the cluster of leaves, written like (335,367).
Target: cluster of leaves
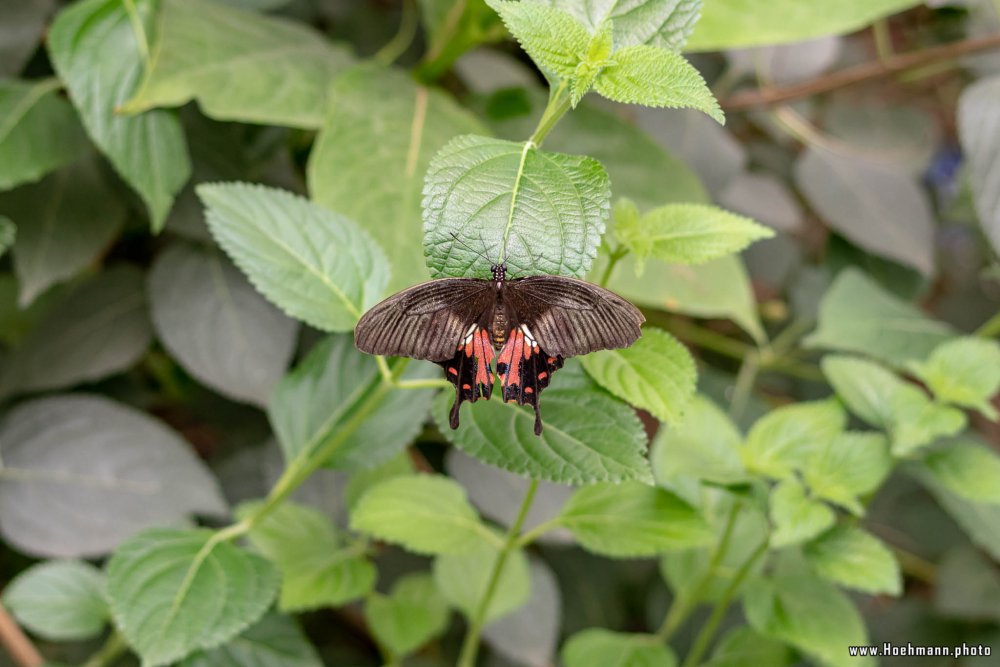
(167,261)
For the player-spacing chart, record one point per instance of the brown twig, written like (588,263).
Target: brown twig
(852,75)
(18,646)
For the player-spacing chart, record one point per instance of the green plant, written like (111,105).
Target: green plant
(153,156)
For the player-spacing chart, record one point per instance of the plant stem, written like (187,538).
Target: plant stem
(990,328)
(682,607)
(114,647)
(708,630)
(616,256)
(470,645)
(744,384)
(138,29)
(559,104)
(401,41)
(533,534)
(883,40)
(17,644)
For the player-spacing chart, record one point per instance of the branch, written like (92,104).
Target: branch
(852,75)
(16,643)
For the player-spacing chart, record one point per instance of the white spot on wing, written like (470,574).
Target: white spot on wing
(528,334)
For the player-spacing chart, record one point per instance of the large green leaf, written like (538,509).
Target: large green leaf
(597,647)
(315,265)
(656,374)
(632,519)
(665,23)
(588,435)
(848,466)
(964,371)
(785,439)
(980,521)
(427,514)
(795,516)
(704,445)
(979,130)
(315,400)
(727,24)
(370,156)
(317,569)
(463,579)
(213,322)
(239,65)
(97,53)
(858,315)
(273,641)
(73,463)
(59,600)
(849,556)
(173,592)
(539,212)
(39,131)
(968,469)
(409,616)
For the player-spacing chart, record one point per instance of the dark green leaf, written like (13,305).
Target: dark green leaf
(274,641)
(742,646)
(409,616)
(599,648)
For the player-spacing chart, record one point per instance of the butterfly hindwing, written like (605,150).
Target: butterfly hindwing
(525,370)
(470,370)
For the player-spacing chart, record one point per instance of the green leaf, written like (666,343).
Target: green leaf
(848,466)
(884,401)
(387,128)
(705,445)
(655,77)
(542,213)
(317,570)
(94,330)
(980,521)
(589,436)
(315,400)
(71,456)
(687,234)
(239,65)
(967,586)
(808,613)
(8,234)
(849,556)
(274,641)
(173,592)
(59,600)
(463,578)
(94,48)
(448,36)
(39,131)
(409,616)
(555,40)
(967,469)
(786,438)
(964,371)
(529,635)
(631,520)
(727,24)
(656,374)
(742,646)
(315,265)
(597,647)
(858,315)
(362,480)
(59,240)
(664,23)
(427,514)
(796,517)
(978,117)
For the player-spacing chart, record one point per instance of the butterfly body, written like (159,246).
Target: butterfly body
(526,325)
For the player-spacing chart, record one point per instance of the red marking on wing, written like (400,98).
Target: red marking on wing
(509,361)
(481,348)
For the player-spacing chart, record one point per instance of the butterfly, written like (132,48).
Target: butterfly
(531,323)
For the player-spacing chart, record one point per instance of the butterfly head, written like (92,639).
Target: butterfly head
(499,272)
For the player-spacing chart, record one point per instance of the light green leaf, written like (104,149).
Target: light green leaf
(315,400)
(555,40)
(742,646)
(705,445)
(362,480)
(173,592)
(808,613)
(655,77)
(427,514)
(39,131)
(463,578)
(656,374)
(687,233)
(884,401)
(786,438)
(317,570)
(980,521)
(8,234)
(55,242)
(94,48)
(849,556)
(596,647)
(217,327)
(409,616)
(588,435)
(274,641)
(315,265)
(542,213)
(631,520)
(967,469)
(387,128)
(848,466)
(858,315)
(664,23)
(727,24)
(59,600)
(978,121)
(796,517)
(964,371)
(239,65)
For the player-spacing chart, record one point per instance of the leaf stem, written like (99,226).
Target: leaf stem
(745,379)
(883,40)
(708,630)
(112,649)
(470,645)
(559,104)
(990,328)
(536,532)
(401,41)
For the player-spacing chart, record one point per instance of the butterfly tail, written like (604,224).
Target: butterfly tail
(470,371)
(453,422)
